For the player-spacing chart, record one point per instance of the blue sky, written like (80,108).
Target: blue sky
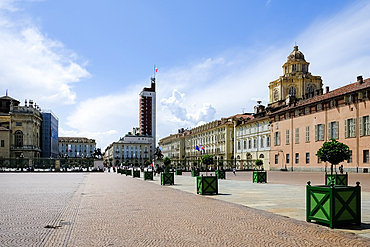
(88,60)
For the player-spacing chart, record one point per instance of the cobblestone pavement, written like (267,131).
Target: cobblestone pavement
(108,209)
(30,202)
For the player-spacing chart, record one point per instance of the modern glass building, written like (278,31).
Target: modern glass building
(49,135)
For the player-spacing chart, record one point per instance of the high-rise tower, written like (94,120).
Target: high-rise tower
(147,114)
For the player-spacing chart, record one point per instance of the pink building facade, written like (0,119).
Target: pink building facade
(299,127)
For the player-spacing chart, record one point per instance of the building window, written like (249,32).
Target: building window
(268,142)
(307,158)
(276,159)
(286,136)
(250,144)
(18,123)
(350,157)
(254,143)
(297,158)
(296,135)
(277,138)
(333,130)
(287,158)
(294,67)
(277,126)
(2,143)
(262,142)
(245,144)
(238,145)
(18,138)
(319,132)
(364,126)
(307,133)
(276,95)
(366,156)
(350,127)
(292,91)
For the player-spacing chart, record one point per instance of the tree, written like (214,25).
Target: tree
(220,164)
(166,163)
(207,160)
(259,163)
(333,152)
(147,163)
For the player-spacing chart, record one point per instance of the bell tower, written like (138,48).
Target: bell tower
(296,81)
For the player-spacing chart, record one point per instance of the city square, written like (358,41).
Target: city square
(109,209)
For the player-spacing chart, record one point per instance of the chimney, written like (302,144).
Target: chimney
(360,79)
(25,102)
(30,103)
(327,89)
(321,91)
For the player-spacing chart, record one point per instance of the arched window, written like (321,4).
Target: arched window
(276,95)
(292,91)
(262,156)
(18,137)
(310,89)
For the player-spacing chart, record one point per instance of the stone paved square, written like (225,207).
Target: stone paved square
(108,209)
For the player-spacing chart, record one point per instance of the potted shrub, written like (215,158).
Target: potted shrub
(195,170)
(333,204)
(259,176)
(166,176)
(207,184)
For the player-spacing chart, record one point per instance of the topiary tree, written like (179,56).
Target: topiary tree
(220,164)
(166,163)
(207,160)
(195,164)
(147,163)
(333,152)
(259,163)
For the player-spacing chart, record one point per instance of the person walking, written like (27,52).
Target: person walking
(234,170)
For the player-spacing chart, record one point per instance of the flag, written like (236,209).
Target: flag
(197,148)
(202,147)
(155,68)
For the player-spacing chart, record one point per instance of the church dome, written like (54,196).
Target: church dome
(296,55)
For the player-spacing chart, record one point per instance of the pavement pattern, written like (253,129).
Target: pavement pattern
(107,209)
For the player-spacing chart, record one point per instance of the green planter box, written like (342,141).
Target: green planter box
(333,205)
(207,185)
(194,173)
(121,171)
(136,174)
(259,177)
(167,178)
(128,172)
(338,179)
(178,172)
(148,175)
(220,174)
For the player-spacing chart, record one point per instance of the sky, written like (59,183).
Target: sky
(88,60)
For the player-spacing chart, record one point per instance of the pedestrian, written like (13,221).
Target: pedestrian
(234,170)
(341,169)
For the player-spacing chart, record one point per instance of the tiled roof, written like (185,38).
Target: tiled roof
(351,88)
(245,116)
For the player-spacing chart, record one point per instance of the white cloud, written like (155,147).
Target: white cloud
(42,67)
(176,105)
